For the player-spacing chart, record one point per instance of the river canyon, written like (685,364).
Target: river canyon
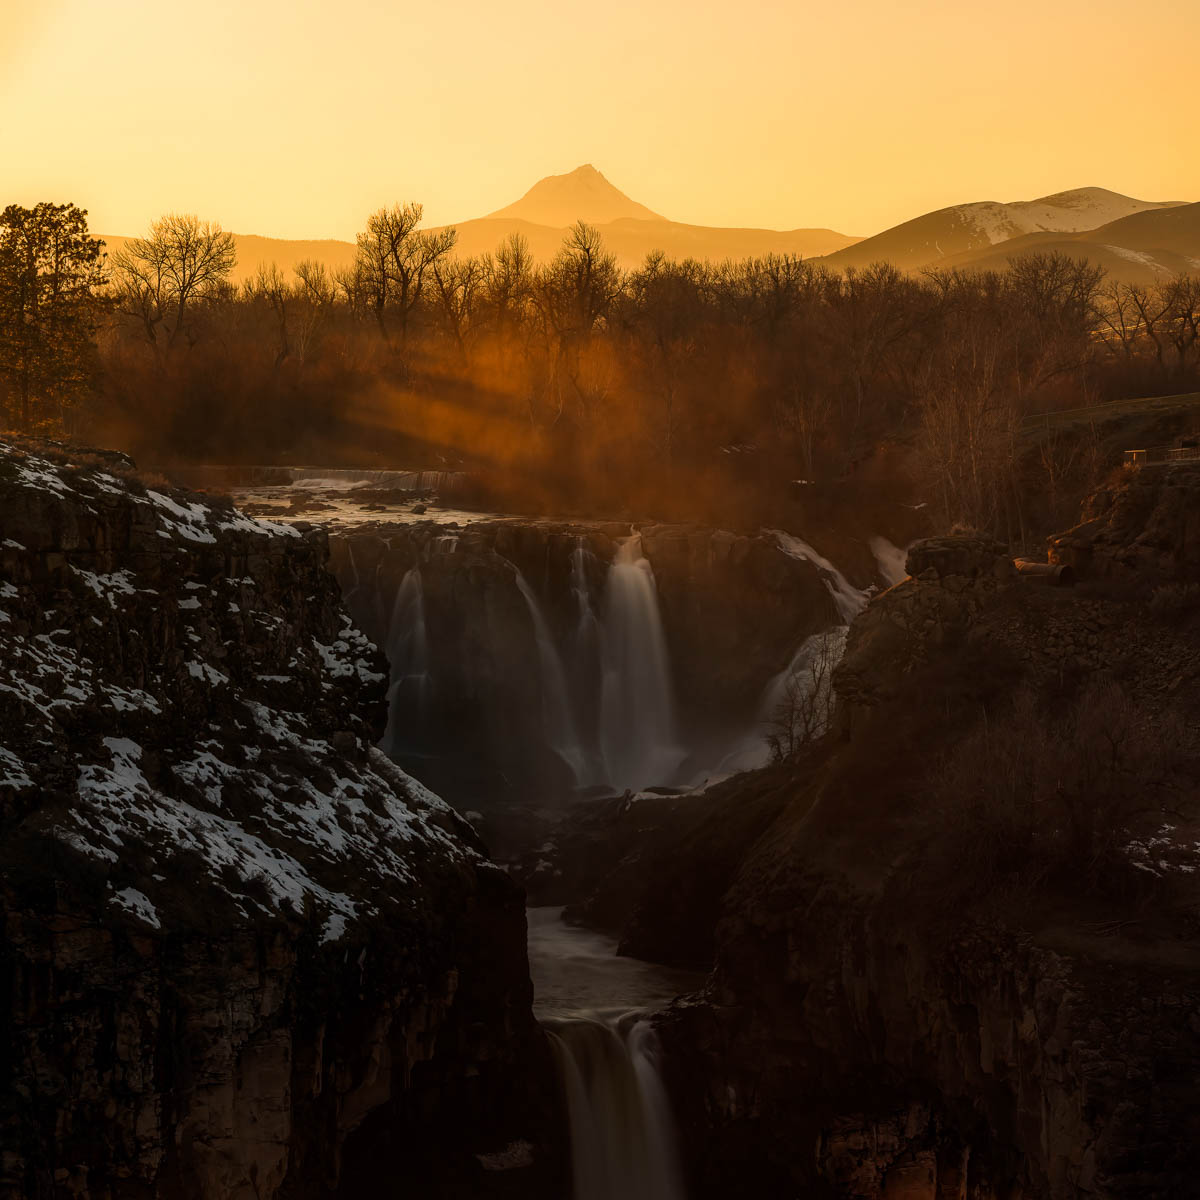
(335,739)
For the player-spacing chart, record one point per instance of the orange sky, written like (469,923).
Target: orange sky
(295,118)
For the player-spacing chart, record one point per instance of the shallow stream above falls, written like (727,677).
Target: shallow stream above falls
(595,1008)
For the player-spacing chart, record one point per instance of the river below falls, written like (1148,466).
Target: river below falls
(594,1007)
(577,972)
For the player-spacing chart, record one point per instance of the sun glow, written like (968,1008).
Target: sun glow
(296,119)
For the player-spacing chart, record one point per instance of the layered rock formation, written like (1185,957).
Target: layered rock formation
(243,954)
(888,1017)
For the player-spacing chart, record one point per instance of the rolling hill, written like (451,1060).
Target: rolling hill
(254,251)
(544,215)
(952,236)
(1134,240)
(546,212)
(1140,248)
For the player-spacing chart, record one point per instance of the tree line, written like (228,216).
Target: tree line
(588,384)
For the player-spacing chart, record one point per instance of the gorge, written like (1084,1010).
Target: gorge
(294,965)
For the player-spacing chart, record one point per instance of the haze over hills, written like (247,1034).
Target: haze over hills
(544,215)
(1135,240)
(631,230)
(935,238)
(1141,248)
(582,195)
(254,251)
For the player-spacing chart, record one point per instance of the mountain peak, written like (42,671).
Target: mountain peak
(581,195)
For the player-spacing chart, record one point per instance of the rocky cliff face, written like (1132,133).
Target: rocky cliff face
(242,951)
(1146,523)
(888,1019)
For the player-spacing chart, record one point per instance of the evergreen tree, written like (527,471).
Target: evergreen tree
(51,272)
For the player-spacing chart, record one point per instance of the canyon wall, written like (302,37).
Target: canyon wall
(243,954)
(896,1010)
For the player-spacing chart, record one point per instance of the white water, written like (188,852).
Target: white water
(639,744)
(407,650)
(557,720)
(608,706)
(593,1007)
(622,1133)
(752,750)
(848,600)
(890,559)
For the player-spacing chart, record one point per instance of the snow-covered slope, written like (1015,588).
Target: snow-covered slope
(961,229)
(205,863)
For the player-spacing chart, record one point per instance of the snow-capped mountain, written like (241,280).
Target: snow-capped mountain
(949,233)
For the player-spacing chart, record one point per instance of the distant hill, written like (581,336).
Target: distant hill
(544,216)
(1135,240)
(1141,248)
(254,251)
(582,195)
(631,240)
(951,236)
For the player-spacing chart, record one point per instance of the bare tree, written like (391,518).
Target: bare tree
(459,285)
(802,714)
(394,257)
(161,279)
(271,288)
(317,295)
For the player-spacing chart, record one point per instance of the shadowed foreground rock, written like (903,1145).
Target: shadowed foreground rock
(243,954)
(904,1003)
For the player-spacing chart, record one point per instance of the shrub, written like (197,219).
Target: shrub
(1036,795)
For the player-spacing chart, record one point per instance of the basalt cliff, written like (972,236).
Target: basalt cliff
(957,953)
(242,954)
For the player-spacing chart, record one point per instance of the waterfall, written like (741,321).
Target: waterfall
(557,721)
(752,750)
(890,559)
(407,649)
(583,658)
(585,627)
(622,1134)
(638,741)
(810,667)
(846,597)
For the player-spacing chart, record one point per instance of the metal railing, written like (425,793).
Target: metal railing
(1155,455)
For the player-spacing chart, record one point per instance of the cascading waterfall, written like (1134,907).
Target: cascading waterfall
(407,649)
(622,1133)
(892,560)
(848,599)
(608,707)
(557,721)
(638,740)
(593,1005)
(583,657)
(809,668)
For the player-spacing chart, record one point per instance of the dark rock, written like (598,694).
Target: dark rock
(237,955)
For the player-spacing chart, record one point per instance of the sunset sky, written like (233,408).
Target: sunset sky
(296,118)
